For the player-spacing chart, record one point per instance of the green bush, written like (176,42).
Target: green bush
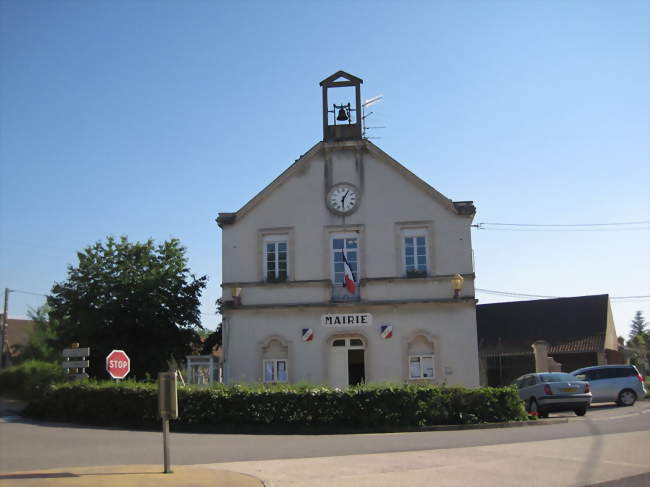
(280,408)
(31,378)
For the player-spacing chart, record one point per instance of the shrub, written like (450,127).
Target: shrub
(31,378)
(279,408)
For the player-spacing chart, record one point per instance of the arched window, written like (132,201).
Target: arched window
(275,361)
(421,358)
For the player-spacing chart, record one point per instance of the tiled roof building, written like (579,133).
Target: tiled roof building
(579,330)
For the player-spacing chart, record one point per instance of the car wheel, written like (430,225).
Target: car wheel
(580,411)
(533,409)
(626,397)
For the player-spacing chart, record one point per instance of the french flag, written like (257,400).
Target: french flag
(349,281)
(307,334)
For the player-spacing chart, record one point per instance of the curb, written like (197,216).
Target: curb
(130,475)
(484,426)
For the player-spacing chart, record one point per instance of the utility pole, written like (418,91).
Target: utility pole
(4,329)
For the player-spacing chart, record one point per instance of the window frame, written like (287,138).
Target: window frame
(275,362)
(275,239)
(344,236)
(414,233)
(420,358)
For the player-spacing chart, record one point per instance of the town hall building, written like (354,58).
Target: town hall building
(348,268)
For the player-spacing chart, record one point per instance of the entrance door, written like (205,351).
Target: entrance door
(347,362)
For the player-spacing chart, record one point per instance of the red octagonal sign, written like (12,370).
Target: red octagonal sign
(118,364)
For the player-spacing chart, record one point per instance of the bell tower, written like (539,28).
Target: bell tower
(342,121)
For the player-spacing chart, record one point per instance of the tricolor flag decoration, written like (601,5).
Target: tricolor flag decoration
(386,331)
(307,334)
(349,281)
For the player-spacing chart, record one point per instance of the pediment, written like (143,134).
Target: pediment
(465,208)
(341,78)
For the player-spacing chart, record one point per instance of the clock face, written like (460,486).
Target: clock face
(343,198)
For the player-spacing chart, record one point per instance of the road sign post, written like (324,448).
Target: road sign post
(72,366)
(167,408)
(118,364)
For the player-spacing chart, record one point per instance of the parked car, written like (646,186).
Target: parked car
(622,384)
(553,391)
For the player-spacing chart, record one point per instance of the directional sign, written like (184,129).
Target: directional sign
(118,364)
(76,364)
(76,352)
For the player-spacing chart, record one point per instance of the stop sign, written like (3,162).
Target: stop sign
(118,364)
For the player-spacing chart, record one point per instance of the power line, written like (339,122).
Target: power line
(564,227)
(523,295)
(561,229)
(507,293)
(28,292)
(567,224)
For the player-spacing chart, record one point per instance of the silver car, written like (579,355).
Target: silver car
(553,391)
(622,384)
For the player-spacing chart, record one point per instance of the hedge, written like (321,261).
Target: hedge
(287,408)
(31,378)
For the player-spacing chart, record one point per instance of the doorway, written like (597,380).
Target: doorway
(347,362)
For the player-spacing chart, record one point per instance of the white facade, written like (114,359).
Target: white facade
(283,252)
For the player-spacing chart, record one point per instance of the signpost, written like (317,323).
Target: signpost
(118,364)
(167,408)
(83,364)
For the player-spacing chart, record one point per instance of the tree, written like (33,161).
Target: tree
(638,325)
(639,342)
(136,297)
(213,341)
(41,339)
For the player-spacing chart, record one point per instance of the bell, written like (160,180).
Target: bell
(342,116)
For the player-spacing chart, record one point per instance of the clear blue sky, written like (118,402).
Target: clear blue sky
(147,118)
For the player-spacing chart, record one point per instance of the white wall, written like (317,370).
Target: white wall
(453,327)
(391,199)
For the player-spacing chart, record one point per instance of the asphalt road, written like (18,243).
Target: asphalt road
(37,445)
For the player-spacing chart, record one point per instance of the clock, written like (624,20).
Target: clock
(343,198)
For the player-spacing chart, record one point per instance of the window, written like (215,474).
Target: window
(421,367)
(276,263)
(275,370)
(595,374)
(344,249)
(415,252)
(275,360)
(420,354)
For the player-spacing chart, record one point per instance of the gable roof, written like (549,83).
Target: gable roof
(460,207)
(576,324)
(332,80)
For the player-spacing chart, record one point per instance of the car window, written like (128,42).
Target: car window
(582,376)
(556,377)
(530,381)
(595,374)
(610,373)
(625,371)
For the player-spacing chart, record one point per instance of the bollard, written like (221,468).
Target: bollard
(168,409)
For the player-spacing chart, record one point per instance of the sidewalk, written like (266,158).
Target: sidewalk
(569,462)
(129,476)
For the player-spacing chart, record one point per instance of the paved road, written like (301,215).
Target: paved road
(34,445)
(569,462)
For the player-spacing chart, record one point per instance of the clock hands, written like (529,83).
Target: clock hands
(342,198)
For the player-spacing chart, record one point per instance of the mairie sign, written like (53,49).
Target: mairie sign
(353,319)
